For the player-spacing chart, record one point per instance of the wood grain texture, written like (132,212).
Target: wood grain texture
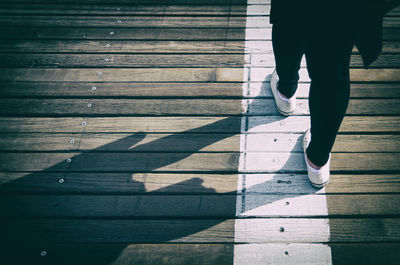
(191,162)
(164,60)
(206,206)
(252,230)
(188,142)
(256,124)
(174,90)
(175,74)
(199,107)
(190,183)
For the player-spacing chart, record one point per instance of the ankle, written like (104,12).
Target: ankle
(311,164)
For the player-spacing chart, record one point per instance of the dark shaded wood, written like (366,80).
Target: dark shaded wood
(196,231)
(169,2)
(186,183)
(67,33)
(209,206)
(132,21)
(131,10)
(122,254)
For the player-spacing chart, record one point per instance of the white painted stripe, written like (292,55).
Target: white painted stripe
(282,254)
(266,146)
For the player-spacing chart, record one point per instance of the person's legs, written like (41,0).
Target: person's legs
(288,51)
(328,59)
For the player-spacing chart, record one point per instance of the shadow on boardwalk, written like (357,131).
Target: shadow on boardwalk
(160,218)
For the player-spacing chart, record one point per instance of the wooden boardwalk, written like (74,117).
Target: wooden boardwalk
(145,132)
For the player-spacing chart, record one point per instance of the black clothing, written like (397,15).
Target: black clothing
(326,33)
(366,16)
(329,72)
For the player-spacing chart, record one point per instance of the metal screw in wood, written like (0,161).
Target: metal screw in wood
(108,45)
(94,88)
(43,253)
(99,73)
(71,141)
(61,181)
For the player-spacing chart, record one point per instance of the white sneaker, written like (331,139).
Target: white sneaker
(318,177)
(284,106)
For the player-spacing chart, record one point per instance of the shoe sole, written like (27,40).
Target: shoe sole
(283,112)
(319,186)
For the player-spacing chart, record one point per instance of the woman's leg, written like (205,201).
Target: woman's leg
(288,51)
(328,60)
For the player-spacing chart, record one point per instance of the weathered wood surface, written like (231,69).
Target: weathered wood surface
(190,162)
(221,254)
(206,206)
(178,178)
(174,90)
(150,46)
(188,142)
(163,60)
(131,10)
(200,107)
(256,124)
(188,183)
(175,74)
(150,21)
(252,230)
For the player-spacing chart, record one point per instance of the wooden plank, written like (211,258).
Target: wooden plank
(300,124)
(150,46)
(117,183)
(136,21)
(175,74)
(103,33)
(129,10)
(189,183)
(181,2)
(125,74)
(123,124)
(109,90)
(121,60)
(134,46)
(176,90)
(164,60)
(231,124)
(191,162)
(121,254)
(189,142)
(207,206)
(139,142)
(218,254)
(200,231)
(240,21)
(121,107)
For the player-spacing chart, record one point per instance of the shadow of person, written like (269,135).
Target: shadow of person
(181,212)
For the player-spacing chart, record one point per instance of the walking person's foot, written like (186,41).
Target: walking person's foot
(318,176)
(284,105)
